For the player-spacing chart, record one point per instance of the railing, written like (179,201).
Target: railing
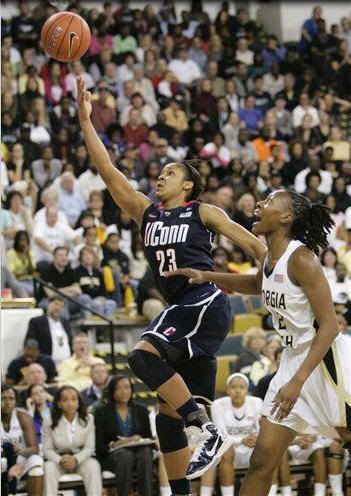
(40,282)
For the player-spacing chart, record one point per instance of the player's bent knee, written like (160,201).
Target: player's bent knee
(150,368)
(171,434)
(261,462)
(318,455)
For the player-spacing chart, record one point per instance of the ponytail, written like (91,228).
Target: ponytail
(312,222)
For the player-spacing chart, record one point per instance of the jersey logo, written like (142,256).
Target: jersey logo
(170,331)
(278,278)
(186,214)
(167,214)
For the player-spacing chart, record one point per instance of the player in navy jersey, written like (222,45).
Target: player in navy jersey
(175,355)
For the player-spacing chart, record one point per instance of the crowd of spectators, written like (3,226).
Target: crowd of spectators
(257,114)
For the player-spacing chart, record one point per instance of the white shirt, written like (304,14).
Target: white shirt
(40,217)
(186,72)
(59,339)
(88,182)
(299,113)
(71,427)
(58,235)
(246,57)
(238,422)
(324,187)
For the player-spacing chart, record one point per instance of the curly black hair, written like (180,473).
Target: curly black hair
(312,222)
(56,412)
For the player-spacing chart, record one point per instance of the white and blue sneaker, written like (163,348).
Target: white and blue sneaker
(211,445)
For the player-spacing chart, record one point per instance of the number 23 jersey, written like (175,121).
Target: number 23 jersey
(175,238)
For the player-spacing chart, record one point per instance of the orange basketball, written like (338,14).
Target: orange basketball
(65,36)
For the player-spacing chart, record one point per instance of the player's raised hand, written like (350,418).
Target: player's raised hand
(194,276)
(83,100)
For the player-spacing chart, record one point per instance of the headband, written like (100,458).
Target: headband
(239,376)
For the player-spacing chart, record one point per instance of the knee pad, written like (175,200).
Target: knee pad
(36,472)
(171,434)
(335,456)
(150,368)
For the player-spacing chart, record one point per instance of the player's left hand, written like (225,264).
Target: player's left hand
(286,399)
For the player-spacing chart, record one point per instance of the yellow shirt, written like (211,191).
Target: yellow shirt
(73,372)
(176,119)
(240,268)
(344,257)
(341,149)
(21,268)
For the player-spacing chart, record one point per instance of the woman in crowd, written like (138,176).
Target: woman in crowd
(39,403)
(245,213)
(17,429)
(20,215)
(69,443)
(21,261)
(329,259)
(18,167)
(120,422)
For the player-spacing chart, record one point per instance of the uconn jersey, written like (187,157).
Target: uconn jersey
(172,239)
(292,315)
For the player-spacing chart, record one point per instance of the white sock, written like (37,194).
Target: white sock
(227,490)
(206,491)
(335,482)
(286,490)
(319,489)
(165,491)
(274,490)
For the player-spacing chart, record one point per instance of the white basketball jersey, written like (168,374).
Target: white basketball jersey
(292,315)
(238,422)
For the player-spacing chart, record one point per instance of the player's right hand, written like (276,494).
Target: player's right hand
(83,100)
(194,276)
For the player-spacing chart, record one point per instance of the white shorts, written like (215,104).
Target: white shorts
(242,456)
(325,398)
(300,456)
(32,462)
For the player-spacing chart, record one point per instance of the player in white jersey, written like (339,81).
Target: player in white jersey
(311,392)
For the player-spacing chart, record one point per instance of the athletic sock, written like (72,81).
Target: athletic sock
(335,481)
(193,414)
(286,490)
(273,491)
(180,486)
(206,491)
(319,489)
(165,491)
(227,490)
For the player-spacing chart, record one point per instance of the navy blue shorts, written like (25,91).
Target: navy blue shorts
(188,334)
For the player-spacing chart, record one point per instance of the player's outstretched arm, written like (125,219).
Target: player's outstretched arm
(118,185)
(249,284)
(305,270)
(217,220)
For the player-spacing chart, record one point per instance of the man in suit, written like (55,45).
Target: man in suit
(52,331)
(99,376)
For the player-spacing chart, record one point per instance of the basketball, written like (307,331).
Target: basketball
(65,36)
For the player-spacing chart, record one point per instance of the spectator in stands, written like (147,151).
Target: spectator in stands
(314,165)
(49,198)
(18,167)
(69,443)
(303,109)
(102,114)
(75,370)
(147,113)
(39,404)
(150,301)
(99,378)
(253,342)
(273,53)
(36,375)
(18,430)
(134,131)
(309,29)
(245,211)
(91,282)
(261,387)
(175,117)
(242,53)
(70,201)
(77,69)
(341,287)
(21,262)
(250,115)
(217,153)
(47,168)
(52,331)
(120,421)
(186,70)
(18,368)
(50,235)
